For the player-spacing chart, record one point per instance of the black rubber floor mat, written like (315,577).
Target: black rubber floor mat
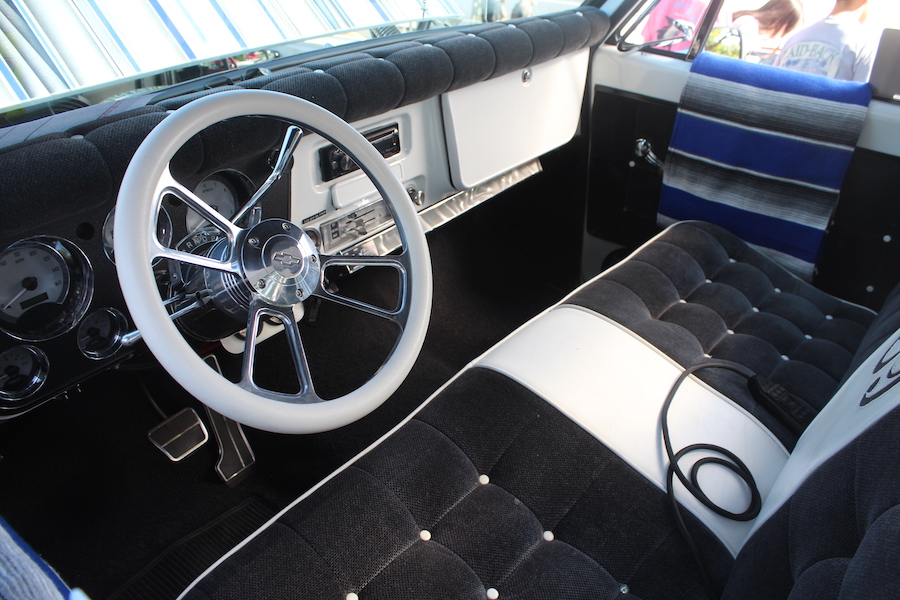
(167,576)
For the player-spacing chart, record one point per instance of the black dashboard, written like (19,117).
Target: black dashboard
(62,314)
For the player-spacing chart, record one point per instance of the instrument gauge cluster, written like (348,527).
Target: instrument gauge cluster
(46,285)
(63,316)
(225,192)
(23,370)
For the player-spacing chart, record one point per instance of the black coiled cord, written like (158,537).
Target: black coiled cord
(730,461)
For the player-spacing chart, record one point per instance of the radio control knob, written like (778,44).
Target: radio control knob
(417,196)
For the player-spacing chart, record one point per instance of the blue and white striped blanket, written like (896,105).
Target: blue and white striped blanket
(762,151)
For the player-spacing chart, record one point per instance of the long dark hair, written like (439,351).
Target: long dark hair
(777,16)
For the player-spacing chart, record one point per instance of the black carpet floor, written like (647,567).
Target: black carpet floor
(82,484)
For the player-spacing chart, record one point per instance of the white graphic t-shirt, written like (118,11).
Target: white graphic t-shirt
(838,46)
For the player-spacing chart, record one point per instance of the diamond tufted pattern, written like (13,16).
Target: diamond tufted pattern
(490,492)
(698,293)
(469,497)
(364,84)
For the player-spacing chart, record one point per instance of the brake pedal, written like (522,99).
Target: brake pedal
(179,435)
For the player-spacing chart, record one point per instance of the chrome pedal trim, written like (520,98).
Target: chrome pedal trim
(179,435)
(236,458)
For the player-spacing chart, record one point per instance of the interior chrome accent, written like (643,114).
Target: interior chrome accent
(179,435)
(288,145)
(447,209)
(643,149)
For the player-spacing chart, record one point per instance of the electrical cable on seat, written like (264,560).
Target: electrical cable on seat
(731,462)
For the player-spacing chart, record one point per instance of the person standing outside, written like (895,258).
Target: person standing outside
(839,46)
(764,29)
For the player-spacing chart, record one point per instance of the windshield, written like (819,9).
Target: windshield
(88,51)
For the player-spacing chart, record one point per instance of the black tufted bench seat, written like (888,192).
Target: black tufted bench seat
(699,294)
(538,471)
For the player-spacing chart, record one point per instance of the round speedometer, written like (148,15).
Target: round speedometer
(45,288)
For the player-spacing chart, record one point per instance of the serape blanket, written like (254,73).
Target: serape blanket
(23,574)
(762,151)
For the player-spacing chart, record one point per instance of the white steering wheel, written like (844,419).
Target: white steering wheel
(274,261)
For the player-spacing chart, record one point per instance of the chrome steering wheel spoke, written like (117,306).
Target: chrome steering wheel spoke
(398,315)
(169,185)
(275,264)
(259,309)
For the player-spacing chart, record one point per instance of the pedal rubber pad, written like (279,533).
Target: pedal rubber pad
(179,435)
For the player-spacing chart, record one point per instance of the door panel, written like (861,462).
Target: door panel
(636,95)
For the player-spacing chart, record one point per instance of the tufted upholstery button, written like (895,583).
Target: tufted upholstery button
(729,331)
(732,260)
(492,594)
(755,309)
(777,290)
(785,357)
(829,317)
(807,336)
(425,535)
(484,479)
(708,280)
(548,536)
(352,596)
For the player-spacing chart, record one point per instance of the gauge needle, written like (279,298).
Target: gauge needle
(28,284)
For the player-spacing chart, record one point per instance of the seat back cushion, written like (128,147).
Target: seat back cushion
(700,294)
(838,537)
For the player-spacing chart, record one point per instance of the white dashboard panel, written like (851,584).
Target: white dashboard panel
(501,123)
(421,164)
(664,77)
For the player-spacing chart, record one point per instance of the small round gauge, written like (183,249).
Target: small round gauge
(220,193)
(163,231)
(23,370)
(100,333)
(45,288)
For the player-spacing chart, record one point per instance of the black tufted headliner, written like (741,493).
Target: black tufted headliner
(698,293)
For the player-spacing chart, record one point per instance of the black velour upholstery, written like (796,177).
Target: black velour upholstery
(358,85)
(490,492)
(839,535)
(700,294)
(361,532)
(72,174)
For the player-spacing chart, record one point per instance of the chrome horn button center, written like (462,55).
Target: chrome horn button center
(280,262)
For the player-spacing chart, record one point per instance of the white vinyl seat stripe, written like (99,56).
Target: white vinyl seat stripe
(613,384)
